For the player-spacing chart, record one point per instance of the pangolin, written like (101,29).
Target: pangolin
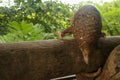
(86,28)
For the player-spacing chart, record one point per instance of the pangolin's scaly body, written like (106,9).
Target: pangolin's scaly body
(86,29)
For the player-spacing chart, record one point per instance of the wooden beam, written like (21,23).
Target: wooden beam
(111,70)
(43,60)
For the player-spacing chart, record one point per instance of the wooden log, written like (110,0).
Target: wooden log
(111,70)
(43,60)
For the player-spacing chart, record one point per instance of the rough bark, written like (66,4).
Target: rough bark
(111,70)
(43,60)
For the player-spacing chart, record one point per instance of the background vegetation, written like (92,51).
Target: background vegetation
(35,20)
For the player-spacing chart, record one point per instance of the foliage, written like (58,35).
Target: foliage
(110,14)
(22,32)
(35,20)
(25,32)
(112,22)
(51,16)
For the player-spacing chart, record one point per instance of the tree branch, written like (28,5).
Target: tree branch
(43,60)
(111,70)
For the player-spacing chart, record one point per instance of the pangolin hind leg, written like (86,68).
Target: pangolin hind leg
(86,49)
(85,54)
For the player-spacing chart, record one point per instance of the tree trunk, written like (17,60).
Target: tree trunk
(43,60)
(111,70)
